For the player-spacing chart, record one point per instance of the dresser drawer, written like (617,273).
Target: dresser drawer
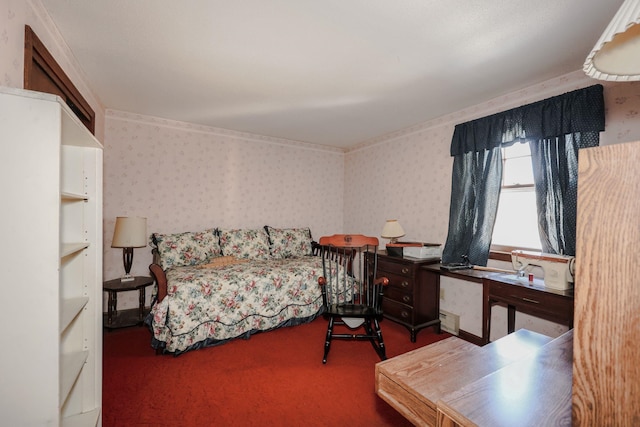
(386,266)
(402,283)
(395,294)
(397,310)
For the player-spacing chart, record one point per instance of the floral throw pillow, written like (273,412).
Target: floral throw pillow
(289,242)
(190,248)
(245,243)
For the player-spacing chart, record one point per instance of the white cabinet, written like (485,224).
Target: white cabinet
(51,275)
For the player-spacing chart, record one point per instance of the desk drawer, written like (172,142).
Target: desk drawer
(534,300)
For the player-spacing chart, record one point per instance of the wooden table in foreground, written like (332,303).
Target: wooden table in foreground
(435,385)
(532,392)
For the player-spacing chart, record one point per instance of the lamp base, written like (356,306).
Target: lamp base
(127,259)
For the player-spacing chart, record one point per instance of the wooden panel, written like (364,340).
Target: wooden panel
(443,420)
(43,74)
(411,406)
(606,372)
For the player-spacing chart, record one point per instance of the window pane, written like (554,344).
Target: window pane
(517,220)
(517,171)
(517,150)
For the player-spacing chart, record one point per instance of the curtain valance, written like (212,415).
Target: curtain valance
(581,110)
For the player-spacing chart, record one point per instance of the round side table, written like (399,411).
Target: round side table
(126,317)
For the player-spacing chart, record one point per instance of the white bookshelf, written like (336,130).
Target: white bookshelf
(51,252)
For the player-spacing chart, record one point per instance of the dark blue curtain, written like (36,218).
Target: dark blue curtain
(474,195)
(474,204)
(555,173)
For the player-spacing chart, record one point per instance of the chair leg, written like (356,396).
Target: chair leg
(372,337)
(327,342)
(380,348)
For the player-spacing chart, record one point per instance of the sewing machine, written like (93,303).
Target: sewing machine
(558,269)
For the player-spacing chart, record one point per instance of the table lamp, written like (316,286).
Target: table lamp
(129,233)
(392,230)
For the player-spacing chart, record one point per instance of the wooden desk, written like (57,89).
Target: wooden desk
(535,391)
(527,297)
(414,382)
(498,288)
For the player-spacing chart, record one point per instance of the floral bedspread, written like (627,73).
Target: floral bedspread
(211,304)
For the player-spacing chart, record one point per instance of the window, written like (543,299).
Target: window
(517,218)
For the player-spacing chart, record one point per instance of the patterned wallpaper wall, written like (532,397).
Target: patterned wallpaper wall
(185,177)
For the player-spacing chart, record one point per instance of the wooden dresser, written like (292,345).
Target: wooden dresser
(411,299)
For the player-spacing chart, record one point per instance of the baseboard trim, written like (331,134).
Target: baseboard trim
(473,339)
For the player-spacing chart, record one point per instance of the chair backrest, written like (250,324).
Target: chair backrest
(349,264)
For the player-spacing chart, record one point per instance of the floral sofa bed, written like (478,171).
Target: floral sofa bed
(228,283)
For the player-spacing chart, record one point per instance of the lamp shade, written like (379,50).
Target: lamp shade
(616,56)
(130,232)
(392,229)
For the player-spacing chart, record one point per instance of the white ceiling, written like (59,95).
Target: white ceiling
(331,72)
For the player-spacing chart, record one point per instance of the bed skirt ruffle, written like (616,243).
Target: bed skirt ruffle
(160,346)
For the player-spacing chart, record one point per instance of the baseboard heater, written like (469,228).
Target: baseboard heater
(449,322)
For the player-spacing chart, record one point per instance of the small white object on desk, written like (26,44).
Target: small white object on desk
(427,250)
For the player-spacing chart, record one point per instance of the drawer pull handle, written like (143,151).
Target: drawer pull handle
(405,270)
(404,284)
(406,298)
(530,300)
(404,314)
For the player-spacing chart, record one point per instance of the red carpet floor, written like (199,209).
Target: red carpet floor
(273,379)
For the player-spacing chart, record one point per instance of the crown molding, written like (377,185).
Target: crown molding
(220,132)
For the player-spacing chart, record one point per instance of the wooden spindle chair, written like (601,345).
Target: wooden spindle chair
(351,293)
